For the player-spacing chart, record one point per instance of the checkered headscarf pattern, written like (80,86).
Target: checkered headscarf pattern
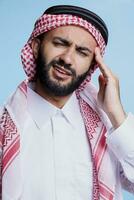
(49,22)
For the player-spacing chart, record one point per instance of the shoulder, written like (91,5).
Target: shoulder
(89,94)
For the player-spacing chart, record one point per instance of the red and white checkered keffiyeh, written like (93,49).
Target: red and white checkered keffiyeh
(49,22)
(13,118)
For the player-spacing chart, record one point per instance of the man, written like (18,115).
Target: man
(60,139)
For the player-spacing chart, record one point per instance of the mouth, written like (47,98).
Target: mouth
(61,72)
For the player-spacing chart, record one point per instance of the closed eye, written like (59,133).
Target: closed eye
(84,51)
(60,42)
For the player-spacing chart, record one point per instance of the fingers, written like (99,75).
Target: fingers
(102,66)
(102,81)
(102,85)
(107,74)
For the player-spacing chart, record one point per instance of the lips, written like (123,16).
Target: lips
(62,70)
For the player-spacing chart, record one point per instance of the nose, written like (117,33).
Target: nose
(68,56)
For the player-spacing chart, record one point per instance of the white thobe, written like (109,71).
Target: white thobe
(55,152)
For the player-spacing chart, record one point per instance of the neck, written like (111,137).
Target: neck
(59,102)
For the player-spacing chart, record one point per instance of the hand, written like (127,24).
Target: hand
(109,93)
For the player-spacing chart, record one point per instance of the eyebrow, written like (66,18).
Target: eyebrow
(62,40)
(68,43)
(84,49)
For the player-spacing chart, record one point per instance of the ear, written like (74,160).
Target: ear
(35,47)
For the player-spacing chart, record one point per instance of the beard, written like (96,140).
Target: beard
(56,87)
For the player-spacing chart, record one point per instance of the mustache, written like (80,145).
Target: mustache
(61,63)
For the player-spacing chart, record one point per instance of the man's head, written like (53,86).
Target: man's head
(63,57)
(61,48)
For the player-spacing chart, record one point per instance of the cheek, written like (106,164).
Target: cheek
(52,53)
(83,66)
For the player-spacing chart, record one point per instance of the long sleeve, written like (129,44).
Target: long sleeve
(121,142)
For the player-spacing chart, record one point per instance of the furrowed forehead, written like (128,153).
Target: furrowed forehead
(85,14)
(71,33)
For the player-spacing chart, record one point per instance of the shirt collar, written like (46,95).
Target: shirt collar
(71,111)
(41,110)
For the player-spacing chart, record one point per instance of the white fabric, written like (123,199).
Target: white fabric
(121,142)
(57,149)
(68,172)
(121,137)
(116,139)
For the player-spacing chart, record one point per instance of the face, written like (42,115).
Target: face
(64,57)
